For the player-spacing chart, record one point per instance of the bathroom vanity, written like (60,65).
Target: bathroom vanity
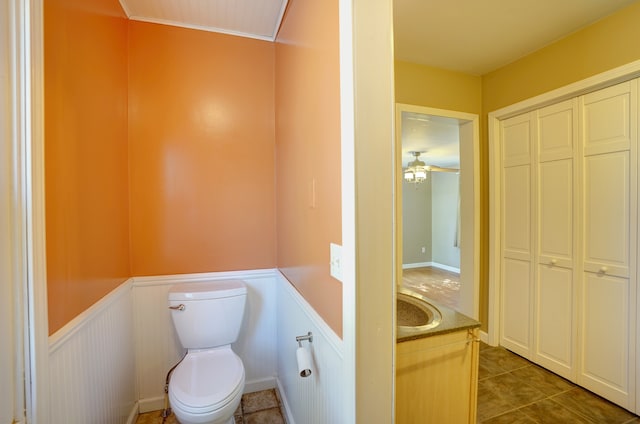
(437,370)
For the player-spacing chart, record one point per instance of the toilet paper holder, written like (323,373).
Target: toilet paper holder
(303,356)
(308,337)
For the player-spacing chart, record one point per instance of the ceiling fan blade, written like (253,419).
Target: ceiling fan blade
(440,169)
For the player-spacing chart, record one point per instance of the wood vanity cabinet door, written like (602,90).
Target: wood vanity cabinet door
(436,380)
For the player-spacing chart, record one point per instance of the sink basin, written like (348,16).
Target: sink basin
(415,313)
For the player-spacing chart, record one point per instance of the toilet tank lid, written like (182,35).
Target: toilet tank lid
(207,290)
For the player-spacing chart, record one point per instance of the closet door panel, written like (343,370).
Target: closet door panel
(554,319)
(516,306)
(516,140)
(555,131)
(605,336)
(555,216)
(516,211)
(606,119)
(606,213)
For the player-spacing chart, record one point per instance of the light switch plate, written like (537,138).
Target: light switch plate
(335,261)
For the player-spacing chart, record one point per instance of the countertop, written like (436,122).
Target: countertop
(452,321)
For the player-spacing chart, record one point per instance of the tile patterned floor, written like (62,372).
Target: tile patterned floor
(255,408)
(512,390)
(439,285)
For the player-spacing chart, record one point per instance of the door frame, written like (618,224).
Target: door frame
(475,245)
(604,79)
(27,245)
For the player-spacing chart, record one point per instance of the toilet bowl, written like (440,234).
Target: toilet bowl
(207,385)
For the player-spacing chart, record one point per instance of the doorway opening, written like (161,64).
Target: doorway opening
(437,237)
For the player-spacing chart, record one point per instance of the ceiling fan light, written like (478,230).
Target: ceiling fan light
(416,171)
(409,175)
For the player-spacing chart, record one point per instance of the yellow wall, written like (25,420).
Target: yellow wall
(438,88)
(607,44)
(87,209)
(308,153)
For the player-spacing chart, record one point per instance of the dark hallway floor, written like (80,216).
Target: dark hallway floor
(512,390)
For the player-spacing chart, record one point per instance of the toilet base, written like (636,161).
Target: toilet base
(231,420)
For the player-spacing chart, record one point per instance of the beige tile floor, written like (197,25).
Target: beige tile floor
(255,408)
(512,390)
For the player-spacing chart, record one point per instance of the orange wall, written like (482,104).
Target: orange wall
(161,145)
(85,154)
(201,134)
(308,152)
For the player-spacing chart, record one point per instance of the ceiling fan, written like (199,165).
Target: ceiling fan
(416,170)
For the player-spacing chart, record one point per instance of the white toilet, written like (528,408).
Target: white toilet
(206,387)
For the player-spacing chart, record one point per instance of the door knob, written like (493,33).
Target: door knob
(554,261)
(603,269)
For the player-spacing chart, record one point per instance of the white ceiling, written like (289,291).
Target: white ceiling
(470,36)
(436,137)
(247,18)
(479,36)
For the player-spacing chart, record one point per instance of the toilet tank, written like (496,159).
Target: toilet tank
(211,314)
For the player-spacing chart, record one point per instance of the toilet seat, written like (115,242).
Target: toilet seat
(206,380)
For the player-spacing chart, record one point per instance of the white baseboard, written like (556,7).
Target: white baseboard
(288,418)
(151,404)
(432,264)
(133,415)
(484,337)
(416,265)
(157,403)
(259,385)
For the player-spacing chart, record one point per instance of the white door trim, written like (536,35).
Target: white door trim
(27,108)
(604,79)
(475,121)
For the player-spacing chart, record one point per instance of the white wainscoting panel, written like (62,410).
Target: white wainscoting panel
(317,399)
(92,367)
(158,348)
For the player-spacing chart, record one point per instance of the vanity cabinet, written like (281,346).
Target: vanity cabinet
(437,379)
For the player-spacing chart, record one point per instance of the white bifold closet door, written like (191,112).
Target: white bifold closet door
(568,238)
(554,280)
(609,222)
(517,245)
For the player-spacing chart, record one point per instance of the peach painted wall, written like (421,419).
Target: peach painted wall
(308,153)
(201,134)
(87,223)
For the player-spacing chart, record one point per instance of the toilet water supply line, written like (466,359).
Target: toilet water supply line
(167,409)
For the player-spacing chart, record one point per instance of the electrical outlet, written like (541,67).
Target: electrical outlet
(335,261)
(424,249)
